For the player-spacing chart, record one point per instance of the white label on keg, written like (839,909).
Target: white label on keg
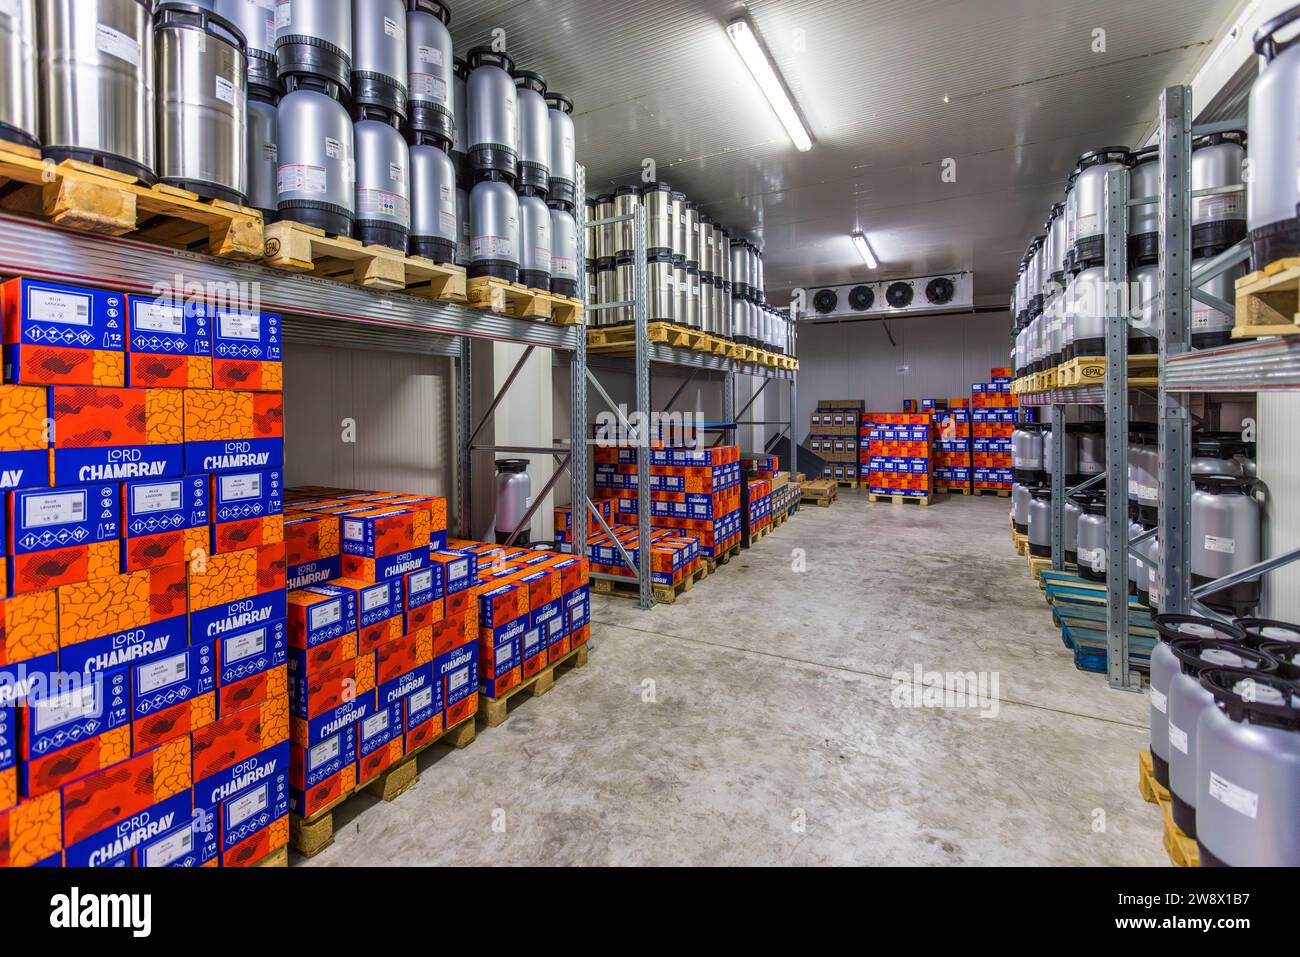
(159,317)
(486,247)
(333,148)
(381,202)
(268,32)
(448,221)
(563,266)
(163,497)
(300,178)
(170,848)
(426,86)
(1218,207)
(1178,737)
(1094,558)
(542,255)
(1216,543)
(225,90)
(116,43)
(1234,796)
(58,509)
(246,805)
(283,14)
(271,152)
(1206,319)
(391,28)
(44,305)
(1160,701)
(1085,225)
(396,172)
(430,55)
(159,674)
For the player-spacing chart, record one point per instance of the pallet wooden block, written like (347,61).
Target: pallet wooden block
(93,199)
(277,858)
(494,711)
(999,492)
(309,836)
(1088,370)
(623,338)
(724,558)
(1182,850)
(1268,301)
(876,497)
(663,594)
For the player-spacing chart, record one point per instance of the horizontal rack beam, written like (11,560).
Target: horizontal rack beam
(1252,365)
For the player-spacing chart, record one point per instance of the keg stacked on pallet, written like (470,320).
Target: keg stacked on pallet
(952,443)
(899,456)
(143,700)
(993,418)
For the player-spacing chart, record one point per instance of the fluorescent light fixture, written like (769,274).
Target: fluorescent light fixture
(765,75)
(865,251)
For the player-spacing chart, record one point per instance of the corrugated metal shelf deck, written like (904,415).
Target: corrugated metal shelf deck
(1251,365)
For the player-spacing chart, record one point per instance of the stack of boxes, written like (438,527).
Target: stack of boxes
(952,443)
(143,688)
(833,437)
(993,416)
(758,505)
(897,453)
(383,636)
(694,493)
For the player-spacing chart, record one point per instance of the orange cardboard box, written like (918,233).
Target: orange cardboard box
(117,792)
(32,832)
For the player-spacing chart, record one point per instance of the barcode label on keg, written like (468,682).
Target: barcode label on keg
(283,14)
(447,220)
(563,266)
(1206,319)
(486,247)
(396,173)
(333,148)
(1159,701)
(390,27)
(1216,543)
(426,86)
(1085,225)
(430,55)
(1234,796)
(1178,737)
(381,202)
(116,43)
(225,90)
(300,178)
(271,152)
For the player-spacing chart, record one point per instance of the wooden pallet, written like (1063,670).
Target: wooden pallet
(514,299)
(1037,565)
(1021,543)
(1268,301)
(295,247)
(713,564)
(309,836)
(756,535)
(822,492)
(1182,850)
(277,858)
(97,200)
(663,594)
(884,499)
(847,483)
(1091,370)
(999,492)
(494,711)
(954,490)
(622,338)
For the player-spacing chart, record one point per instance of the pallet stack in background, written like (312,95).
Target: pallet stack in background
(833,436)
(897,455)
(144,707)
(694,494)
(993,416)
(952,443)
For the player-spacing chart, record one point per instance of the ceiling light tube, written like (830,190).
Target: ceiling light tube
(765,75)
(865,251)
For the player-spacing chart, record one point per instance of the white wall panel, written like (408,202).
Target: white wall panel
(1279,466)
(402,407)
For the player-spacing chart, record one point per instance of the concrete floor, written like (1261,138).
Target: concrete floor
(754,722)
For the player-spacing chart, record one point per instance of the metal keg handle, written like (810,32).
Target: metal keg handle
(1266,44)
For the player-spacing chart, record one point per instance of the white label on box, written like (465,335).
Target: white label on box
(1178,737)
(46,305)
(326,751)
(532,638)
(421,581)
(160,674)
(283,14)
(173,847)
(1160,701)
(374,598)
(322,616)
(1216,543)
(246,805)
(68,706)
(1234,796)
(421,699)
(164,497)
(557,624)
(117,44)
(333,148)
(457,679)
(159,317)
(458,569)
(237,487)
(375,724)
(225,90)
(391,28)
(245,646)
(240,325)
(353,531)
(60,508)
(503,651)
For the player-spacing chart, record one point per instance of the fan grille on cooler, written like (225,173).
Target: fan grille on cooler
(899,295)
(861,298)
(825,301)
(939,291)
